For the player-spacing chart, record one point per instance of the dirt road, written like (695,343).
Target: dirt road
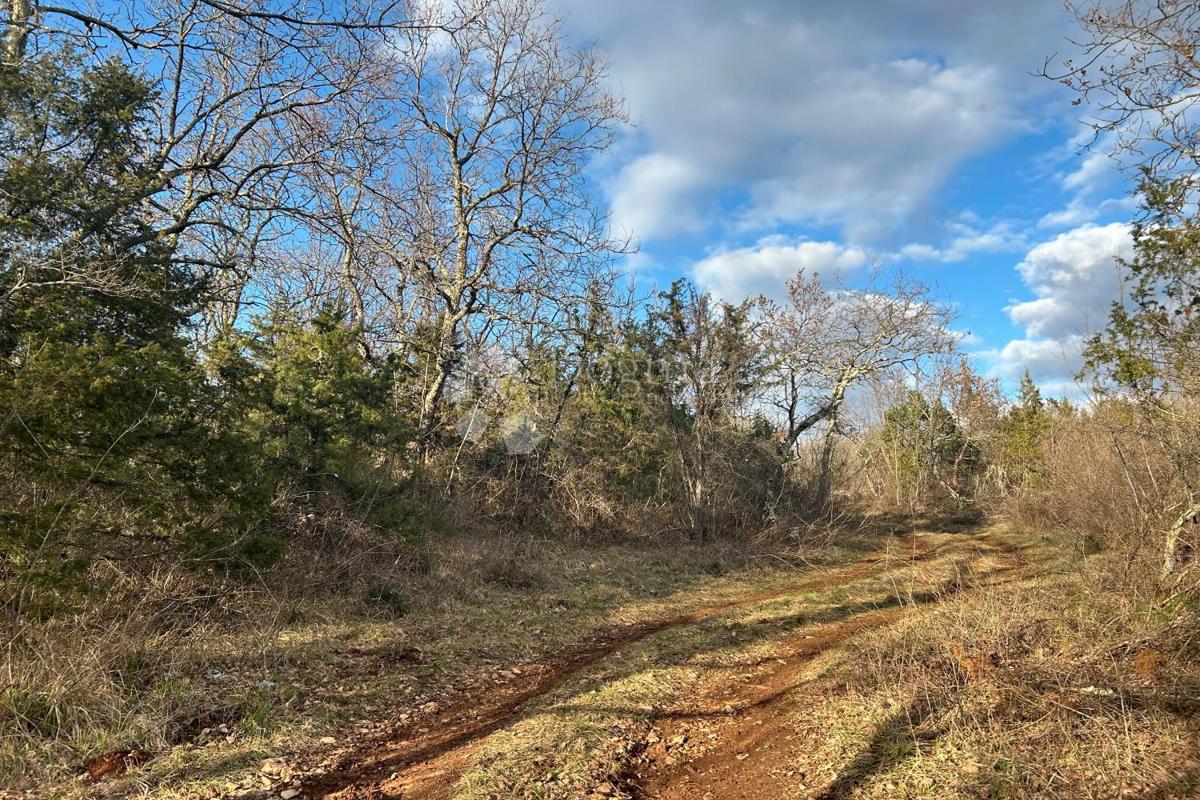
(725,740)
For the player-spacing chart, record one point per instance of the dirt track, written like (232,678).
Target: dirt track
(734,744)
(423,758)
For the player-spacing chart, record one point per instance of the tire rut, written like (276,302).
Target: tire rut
(733,744)
(422,758)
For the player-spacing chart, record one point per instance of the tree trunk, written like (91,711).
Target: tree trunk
(825,468)
(443,364)
(358,309)
(830,409)
(19,14)
(1171,545)
(699,518)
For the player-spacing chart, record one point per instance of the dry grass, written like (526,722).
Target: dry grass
(1048,686)
(583,734)
(1115,480)
(1042,688)
(213,682)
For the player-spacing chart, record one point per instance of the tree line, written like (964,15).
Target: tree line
(303,275)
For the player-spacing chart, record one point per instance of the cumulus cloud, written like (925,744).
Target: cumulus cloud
(655,194)
(1049,361)
(1074,278)
(766,267)
(965,240)
(787,113)
(840,170)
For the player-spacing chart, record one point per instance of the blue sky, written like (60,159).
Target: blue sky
(779,134)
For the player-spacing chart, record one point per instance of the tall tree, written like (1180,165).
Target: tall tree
(714,365)
(928,448)
(827,341)
(496,211)
(100,389)
(236,88)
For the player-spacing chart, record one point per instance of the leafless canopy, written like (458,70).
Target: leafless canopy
(1137,74)
(241,88)
(495,215)
(829,340)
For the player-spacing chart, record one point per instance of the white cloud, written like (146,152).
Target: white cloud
(766,267)
(1076,213)
(1081,210)
(1046,359)
(967,339)
(966,240)
(1092,175)
(656,194)
(1096,168)
(1074,278)
(774,112)
(839,169)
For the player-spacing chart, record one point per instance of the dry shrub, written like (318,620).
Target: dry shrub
(473,568)
(584,504)
(511,561)
(130,668)
(334,549)
(631,485)
(1109,478)
(1014,681)
(138,654)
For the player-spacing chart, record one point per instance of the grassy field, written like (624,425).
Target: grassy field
(206,698)
(936,664)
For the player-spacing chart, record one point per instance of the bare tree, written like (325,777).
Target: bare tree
(1138,75)
(345,209)
(827,341)
(494,207)
(238,86)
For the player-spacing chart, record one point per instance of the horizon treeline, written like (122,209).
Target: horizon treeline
(333,276)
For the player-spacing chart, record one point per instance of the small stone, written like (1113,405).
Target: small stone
(288,794)
(328,740)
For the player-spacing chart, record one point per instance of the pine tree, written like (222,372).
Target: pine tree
(98,376)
